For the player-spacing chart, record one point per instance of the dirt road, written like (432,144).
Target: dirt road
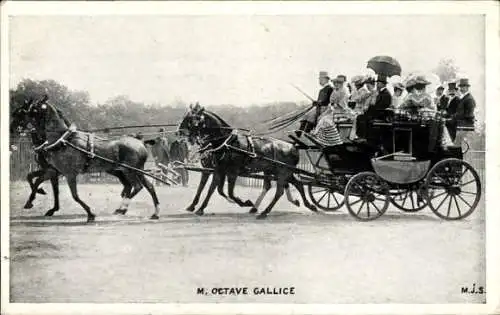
(327,258)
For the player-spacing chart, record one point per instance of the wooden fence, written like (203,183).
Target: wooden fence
(22,161)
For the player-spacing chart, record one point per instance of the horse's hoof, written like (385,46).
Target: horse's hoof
(262,216)
(253,210)
(120,211)
(248,203)
(41,191)
(50,213)
(91,218)
(296,203)
(190,209)
(199,212)
(313,208)
(28,206)
(154,217)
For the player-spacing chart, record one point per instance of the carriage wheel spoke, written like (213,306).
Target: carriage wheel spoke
(360,207)
(449,208)
(463,201)
(468,192)
(463,173)
(471,181)
(379,199)
(368,208)
(456,204)
(376,208)
(319,190)
(322,197)
(328,202)
(412,201)
(355,202)
(404,200)
(439,195)
(442,201)
(335,198)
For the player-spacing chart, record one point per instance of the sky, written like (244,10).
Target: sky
(239,60)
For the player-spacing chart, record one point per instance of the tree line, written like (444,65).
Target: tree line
(122,111)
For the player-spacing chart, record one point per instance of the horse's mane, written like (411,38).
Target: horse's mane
(59,113)
(225,124)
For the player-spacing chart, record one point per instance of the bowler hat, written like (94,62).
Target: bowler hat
(463,82)
(382,79)
(324,74)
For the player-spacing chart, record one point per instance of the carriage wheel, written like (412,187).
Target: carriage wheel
(366,196)
(409,201)
(453,189)
(325,198)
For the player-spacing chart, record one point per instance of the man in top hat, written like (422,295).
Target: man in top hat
(465,110)
(451,109)
(467,105)
(311,118)
(441,100)
(384,98)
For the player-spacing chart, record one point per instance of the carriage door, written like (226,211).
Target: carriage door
(402,140)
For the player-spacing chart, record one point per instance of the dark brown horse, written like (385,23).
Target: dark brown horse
(236,154)
(45,172)
(73,152)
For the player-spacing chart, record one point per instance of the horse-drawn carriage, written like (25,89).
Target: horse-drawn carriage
(412,172)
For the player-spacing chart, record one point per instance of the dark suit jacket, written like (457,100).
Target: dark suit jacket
(324,96)
(442,103)
(383,101)
(465,110)
(451,110)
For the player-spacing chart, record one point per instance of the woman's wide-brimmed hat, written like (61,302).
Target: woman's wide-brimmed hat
(420,79)
(338,79)
(357,79)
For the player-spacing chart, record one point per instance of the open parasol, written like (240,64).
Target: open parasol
(384,65)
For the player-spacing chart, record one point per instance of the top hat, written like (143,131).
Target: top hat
(324,74)
(382,78)
(452,86)
(463,82)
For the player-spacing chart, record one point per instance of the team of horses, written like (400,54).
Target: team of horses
(61,149)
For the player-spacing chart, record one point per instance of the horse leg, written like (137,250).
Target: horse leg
(133,188)
(41,176)
(300,188)
(33,186)
(30,178)
(280,189)
(265,188)
(231,182)
(71,179)
(201,185)
(289,196)
(151,189)
(215,182)
(54,182)
(127,187)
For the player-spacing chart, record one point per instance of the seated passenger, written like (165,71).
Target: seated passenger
(326,131)
(417,97)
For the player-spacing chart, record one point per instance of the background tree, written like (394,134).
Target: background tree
(446,70)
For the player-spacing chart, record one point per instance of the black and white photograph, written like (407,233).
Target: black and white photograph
(249,154)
